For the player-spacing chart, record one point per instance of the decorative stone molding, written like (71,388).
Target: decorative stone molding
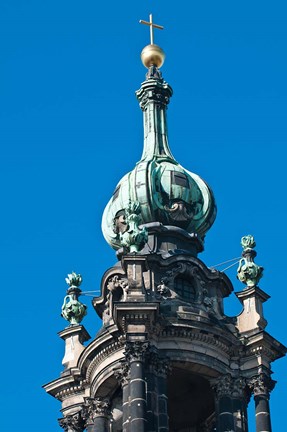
(76,388)
(239,388)
(72,423)
(262,350)
(135,351)
(223,386)
(200,287)
(98,407)
(122,374)
(117,289)
(101,356)
(261,384)
(161,366)
(209,339)
(231,387)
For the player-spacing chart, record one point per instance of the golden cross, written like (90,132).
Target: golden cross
(151,27)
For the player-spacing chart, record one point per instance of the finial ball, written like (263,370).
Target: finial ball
(152,55)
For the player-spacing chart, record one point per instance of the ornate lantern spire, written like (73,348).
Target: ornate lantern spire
(159,186)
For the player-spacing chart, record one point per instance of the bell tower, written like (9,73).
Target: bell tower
(167,358)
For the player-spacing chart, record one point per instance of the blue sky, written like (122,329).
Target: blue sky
(70,128)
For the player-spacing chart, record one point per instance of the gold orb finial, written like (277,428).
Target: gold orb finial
(152,55)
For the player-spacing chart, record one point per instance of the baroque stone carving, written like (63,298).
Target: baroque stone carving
(72,309)
(122,374)
(135,351)
(77,388)
(126,226)
(162,289)
(197,282)
(116,283)
(226,385)
(161,366)
(248,271)
(118,288)
(98,407)
(72,423)
(261,384)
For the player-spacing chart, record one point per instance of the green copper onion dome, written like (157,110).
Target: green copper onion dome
(158,187)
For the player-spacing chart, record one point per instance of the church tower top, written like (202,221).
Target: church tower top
(158,190)
(152,55)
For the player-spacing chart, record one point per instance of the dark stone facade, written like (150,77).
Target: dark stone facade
(167,358)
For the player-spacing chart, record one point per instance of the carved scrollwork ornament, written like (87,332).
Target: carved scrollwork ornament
(161,366)
(226,385)
(223,386)
(98,407)
(87,411)
(122,374)
(178,211)
(72,423)
(261,384)
(101,407)
(241,389)
(135,351)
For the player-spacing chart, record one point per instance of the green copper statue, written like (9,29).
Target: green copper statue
(248,272)
(126,226)
(73,310)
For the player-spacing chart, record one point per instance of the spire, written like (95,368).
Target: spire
(159,187)
(154,96)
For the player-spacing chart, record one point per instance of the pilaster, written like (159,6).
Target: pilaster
(251,318)
(74,337)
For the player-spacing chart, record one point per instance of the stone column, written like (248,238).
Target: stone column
(162,369)
(261,386)
(157,408)
(223,402)
(241,397)
(151,394)
(72,423)
(123,376)
(135,356)
(96,414)
(231,404)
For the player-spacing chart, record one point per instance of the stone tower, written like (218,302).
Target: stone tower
(166,358)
